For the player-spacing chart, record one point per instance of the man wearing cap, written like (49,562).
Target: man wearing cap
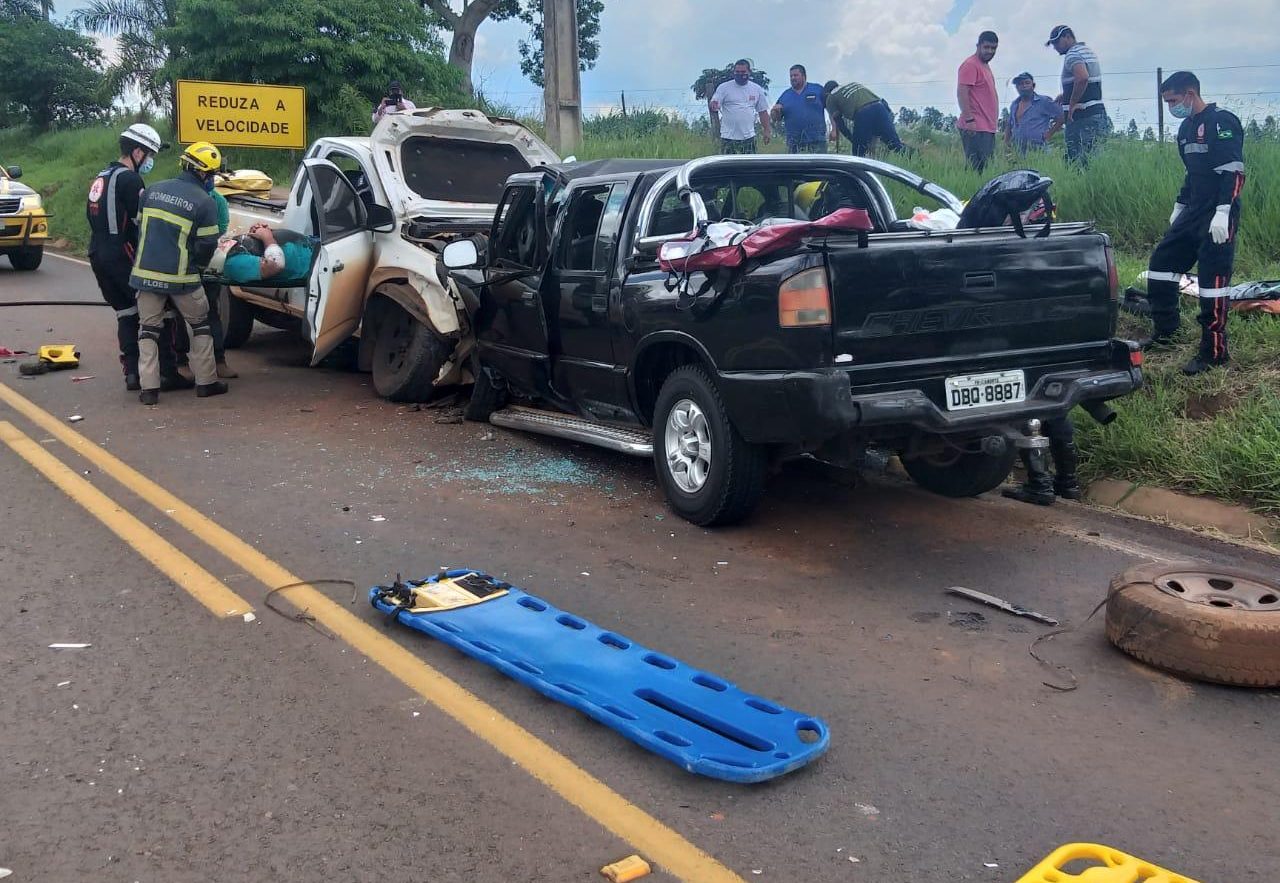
(1081,98)
(1033,118)
(979,103)
(862,115)
(1202,228)
(393,102)
(112,212)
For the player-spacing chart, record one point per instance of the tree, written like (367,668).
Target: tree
(710,79)
(933,118)
(139,26)
(1132,131)
(532,56)
(55,74)
(908,116)
(463,24)
(344,53)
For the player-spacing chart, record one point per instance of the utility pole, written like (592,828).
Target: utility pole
(1159,105)
(562,94)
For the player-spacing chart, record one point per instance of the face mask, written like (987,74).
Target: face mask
(1180,110)
(147,165)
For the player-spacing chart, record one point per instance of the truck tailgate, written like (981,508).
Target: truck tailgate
(915,300)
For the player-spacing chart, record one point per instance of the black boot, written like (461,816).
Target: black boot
(216,388)
(149,397)
(132,383)
(171,382)
(1065,459)
(1038,488)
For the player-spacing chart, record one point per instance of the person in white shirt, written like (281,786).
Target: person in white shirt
(394,102)
(739,103)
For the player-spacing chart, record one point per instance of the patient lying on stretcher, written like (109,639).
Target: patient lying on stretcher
(261,254)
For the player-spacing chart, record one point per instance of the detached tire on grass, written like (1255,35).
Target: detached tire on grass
(1221,626)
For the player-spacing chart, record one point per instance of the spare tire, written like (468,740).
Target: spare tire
(1220,625)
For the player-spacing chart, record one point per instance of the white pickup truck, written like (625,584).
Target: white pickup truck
(381,209)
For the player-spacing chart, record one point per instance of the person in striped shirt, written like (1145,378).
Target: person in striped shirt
(1081,99)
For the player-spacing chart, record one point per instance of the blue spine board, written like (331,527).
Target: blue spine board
(695,719)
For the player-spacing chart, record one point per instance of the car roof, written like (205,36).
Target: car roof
(598,167)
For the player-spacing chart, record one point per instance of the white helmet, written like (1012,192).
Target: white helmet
(144,136)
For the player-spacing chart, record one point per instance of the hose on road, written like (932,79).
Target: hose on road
(54,303)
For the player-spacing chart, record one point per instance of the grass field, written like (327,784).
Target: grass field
(1217,434)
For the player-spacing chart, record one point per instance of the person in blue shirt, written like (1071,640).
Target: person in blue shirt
(801,109)
(1033,118)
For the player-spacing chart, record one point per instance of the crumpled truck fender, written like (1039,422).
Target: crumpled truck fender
(414,285)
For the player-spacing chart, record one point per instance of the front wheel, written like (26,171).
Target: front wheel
(407,356)
(961,473)
(708,472)
(236,316)
(27,258)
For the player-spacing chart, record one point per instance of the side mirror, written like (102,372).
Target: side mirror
(461,255)
(14,172)
(380,219)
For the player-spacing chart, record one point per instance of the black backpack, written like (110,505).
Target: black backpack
(1011,198)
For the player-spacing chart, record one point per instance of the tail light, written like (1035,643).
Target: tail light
(804,300)
(1113,275)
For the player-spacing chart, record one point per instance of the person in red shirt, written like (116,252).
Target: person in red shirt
(979,103)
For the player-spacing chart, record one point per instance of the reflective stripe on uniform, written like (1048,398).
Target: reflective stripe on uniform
(1215,292)
(124,314)
(208,231)
(1230,168)
(113,225)
(1159,276)
(1195,147)
(181,276)
(150,332)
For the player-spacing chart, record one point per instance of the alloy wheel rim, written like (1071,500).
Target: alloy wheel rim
(688,446)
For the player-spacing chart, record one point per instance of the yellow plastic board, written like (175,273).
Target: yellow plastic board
(1098,864)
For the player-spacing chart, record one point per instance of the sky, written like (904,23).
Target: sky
(909,51)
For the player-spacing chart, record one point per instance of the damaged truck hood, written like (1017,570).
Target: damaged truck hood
(439,164)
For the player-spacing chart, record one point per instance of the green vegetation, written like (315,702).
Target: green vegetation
(1217,434)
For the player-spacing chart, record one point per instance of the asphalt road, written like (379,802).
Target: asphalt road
(187,745)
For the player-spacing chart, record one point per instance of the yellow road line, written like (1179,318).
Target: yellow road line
(198,582)
(656,841)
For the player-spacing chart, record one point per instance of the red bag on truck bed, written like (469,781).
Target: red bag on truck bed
(700,253)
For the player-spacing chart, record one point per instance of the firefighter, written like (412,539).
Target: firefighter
(1203,226)
(179,232)
(112,212)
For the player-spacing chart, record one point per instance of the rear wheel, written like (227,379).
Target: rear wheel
(957,473)
(708,472)
(407,356)
(237,319)
(27,258)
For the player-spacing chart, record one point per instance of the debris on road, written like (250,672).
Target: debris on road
(81,378)
(377,518)
(446,419)
(991,864)
(69,646)
(1000,604)
(74,418)
(249,617)
(630,868)
(867,809)
(62,684)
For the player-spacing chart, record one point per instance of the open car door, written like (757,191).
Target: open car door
(336,287)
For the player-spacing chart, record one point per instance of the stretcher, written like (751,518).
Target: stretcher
(693,718)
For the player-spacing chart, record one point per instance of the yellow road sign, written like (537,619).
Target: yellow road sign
(242,114)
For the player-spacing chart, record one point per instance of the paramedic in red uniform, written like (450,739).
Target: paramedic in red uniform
(1204,223)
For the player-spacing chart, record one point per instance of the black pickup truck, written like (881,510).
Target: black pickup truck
(935,346)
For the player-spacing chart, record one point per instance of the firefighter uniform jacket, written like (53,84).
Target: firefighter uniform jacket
(112,212)
(178,235)
(1211,144)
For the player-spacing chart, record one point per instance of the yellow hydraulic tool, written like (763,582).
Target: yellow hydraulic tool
(60,355)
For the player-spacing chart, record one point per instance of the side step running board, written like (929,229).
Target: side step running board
(635,442)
